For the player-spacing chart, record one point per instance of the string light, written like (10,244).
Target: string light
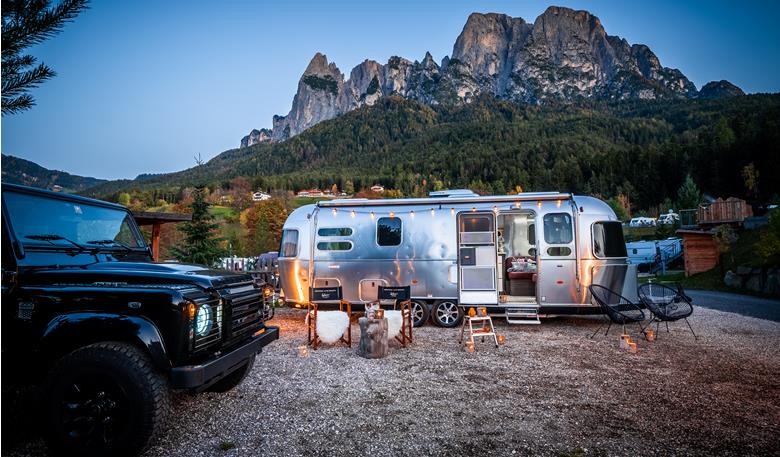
(495,209)
(473,209)
(433,212)
(334,211)
(353,214)
(392,214)
(558,204)
(517,204)
(539,204)
(372,215)
(411,213)
(452,211)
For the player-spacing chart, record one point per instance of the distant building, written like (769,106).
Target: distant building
(56,188)
(260,196)
(377,189)
(310,193)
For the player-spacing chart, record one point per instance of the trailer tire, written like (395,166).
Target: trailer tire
(420,313)
(447,313)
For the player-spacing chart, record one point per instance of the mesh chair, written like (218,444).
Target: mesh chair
(618,309)
(337,322)
(666,304)
(400,297)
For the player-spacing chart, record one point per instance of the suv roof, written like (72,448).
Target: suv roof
(61,196)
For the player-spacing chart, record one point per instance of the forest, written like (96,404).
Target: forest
(642,150)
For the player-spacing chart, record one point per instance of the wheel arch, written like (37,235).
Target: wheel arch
(67,332)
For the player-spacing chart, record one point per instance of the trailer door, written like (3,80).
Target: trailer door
(477,258)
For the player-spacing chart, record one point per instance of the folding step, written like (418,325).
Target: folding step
(523,314)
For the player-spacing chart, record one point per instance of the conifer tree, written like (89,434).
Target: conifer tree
(200,244)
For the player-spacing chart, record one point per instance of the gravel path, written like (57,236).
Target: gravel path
(747,305)
(549,391)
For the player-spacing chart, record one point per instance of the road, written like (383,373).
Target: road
(747,305)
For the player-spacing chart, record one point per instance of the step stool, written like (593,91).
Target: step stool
(485,330)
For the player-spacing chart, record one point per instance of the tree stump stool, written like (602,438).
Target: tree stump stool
(373,338)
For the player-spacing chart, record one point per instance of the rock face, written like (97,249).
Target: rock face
(719,89)
(564,55)
(256,137)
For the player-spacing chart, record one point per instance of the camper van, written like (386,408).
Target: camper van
(522,256)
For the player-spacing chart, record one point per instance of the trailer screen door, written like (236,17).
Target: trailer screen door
(477,258)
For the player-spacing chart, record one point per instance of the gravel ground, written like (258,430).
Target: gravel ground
(549,390)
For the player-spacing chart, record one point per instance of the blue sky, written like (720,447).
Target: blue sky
(144,86)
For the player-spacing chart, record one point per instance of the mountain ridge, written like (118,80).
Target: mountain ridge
(564,55)
(16,170)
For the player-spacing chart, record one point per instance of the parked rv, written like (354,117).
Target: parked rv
(642,222)
(668,219)
(521,255)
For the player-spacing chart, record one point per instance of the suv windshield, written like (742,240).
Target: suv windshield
(40,220)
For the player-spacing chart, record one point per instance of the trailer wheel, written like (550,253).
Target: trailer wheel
(447,313)
(420,313)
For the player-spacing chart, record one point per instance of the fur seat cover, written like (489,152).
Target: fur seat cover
(394,321)
(331,325)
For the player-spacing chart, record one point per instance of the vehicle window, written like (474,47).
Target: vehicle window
(289,244)
(532,234)
(334,245)
(558,251)
(80,222)
(557,228)
(334,231)
(476,223)
(388,231)
(608,240)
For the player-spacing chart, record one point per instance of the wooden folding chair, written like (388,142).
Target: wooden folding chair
(401,298)
(326,296)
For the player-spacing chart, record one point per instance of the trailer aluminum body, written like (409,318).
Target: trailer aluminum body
(453,246)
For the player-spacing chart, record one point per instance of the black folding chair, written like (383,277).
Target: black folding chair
(326,297)
(666,305)
(618,309)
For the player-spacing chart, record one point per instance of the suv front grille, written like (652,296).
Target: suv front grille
(244,310)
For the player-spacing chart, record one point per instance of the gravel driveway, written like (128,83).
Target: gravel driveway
(549,391)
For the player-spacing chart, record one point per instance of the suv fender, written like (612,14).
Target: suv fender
(66,332)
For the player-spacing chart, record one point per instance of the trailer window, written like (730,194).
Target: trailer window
(532,234)
(557,228)
(289,245)
(388,231)
(334,231)
(608,240)
(477,223)
(334,245)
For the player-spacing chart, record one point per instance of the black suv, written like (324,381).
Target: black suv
(108,333)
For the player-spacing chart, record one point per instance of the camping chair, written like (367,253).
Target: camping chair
(401,314)
(666,305)
(619,309)
(328,326)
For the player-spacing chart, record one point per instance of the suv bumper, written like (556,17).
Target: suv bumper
(199,377)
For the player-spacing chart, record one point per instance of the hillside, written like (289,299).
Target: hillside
(21,171)
(640,148)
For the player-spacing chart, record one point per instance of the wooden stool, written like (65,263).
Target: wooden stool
(486,329)
(401,297)
(324,296)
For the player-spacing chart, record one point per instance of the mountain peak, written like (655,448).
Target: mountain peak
(720,89)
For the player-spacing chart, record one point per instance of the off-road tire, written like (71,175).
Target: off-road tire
(235,378)
(139,400)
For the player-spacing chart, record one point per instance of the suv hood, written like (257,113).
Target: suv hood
(146,273)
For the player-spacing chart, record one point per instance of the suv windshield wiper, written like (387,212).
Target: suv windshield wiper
(113,243)
(49,238)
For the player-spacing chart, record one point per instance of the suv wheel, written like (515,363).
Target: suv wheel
(447,313)
(233,379)
(105,399)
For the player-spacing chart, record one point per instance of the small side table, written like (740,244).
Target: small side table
(486,329)
(373,338)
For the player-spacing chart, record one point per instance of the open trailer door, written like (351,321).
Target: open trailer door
(477,280)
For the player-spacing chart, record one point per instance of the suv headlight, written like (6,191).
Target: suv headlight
(204,320)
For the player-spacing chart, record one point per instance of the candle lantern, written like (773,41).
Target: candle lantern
(482,311)
(379,314)
(501,339)
(650,334)
(470,346)
(632,348)
(472,312)
(303,351)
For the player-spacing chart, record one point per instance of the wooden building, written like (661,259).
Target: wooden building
(700,251)
(156,220)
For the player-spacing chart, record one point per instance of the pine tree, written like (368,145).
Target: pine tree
(689,196)
(200,244)
(25,24)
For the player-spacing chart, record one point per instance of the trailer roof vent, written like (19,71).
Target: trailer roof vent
(453,193)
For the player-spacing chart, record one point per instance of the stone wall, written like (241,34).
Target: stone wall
(763,280)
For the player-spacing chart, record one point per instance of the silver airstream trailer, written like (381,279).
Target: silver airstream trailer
(521,255)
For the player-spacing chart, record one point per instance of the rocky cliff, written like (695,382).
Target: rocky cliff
(564,55)
(256,137)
